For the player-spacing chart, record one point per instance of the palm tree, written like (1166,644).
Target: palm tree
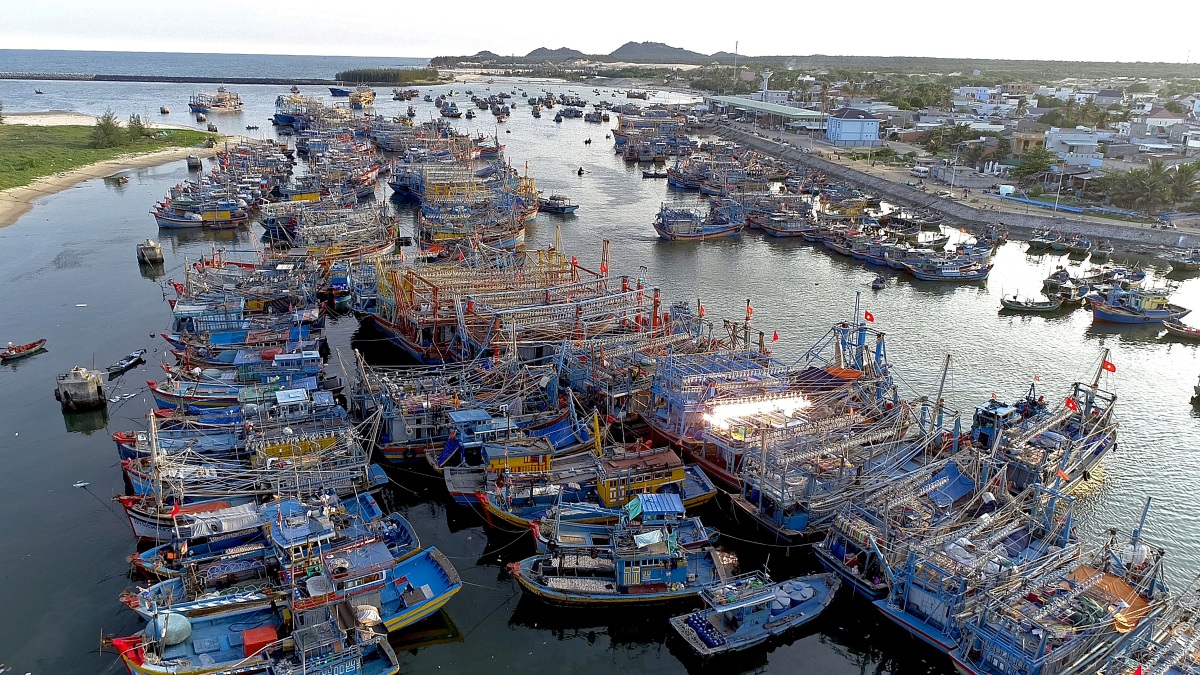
(1184,181)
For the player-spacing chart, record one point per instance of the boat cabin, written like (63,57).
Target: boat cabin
(495,444)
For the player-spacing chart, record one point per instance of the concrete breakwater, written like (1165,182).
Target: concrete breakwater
(89,77)
(958,212)
(86,77)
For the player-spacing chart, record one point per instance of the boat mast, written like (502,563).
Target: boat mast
(1100,368)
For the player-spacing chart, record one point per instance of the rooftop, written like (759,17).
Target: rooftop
(764,107)
(852,114)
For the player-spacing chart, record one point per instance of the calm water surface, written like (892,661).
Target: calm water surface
(70,275)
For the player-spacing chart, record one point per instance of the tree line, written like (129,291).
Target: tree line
(389,75)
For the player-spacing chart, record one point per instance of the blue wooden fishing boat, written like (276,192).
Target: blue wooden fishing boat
(339,92)
(328,640)
(637,568)
(946,576)
(571,526)
(557,204)
(1071,617)
(872,534)
(722,219)
(598,495)
(1139,305)
(950,270)
(749,609)
(210,580)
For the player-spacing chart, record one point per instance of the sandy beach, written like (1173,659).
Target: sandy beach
(59,118)
(16,202)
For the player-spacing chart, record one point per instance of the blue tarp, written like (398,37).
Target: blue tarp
(957,486)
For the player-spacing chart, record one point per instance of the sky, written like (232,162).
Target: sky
(1016,29)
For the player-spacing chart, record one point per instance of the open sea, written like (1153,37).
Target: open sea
(70,275)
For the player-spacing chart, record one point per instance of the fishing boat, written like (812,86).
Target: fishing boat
(343,92)
(130,360)
(1015,304)
(568,526)
(878,283)
(1140,305)
(1079,245)
(222,100)
(1178,329)
(1184,260)
(557,204)
(949,270)
(1045,240)
(654,174)
(638,568)
(15,352)
(1071,614)
(749,609)
(1102,252)
(724,218)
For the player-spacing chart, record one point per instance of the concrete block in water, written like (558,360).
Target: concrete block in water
(81,389)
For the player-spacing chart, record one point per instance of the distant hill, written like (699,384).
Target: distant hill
(484,55)
(656,52)
(560,54)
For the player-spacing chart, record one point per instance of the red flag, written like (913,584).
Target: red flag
(1063,475)
(749,310)
(1136,672)
(701,311)
(1036,378)
(1070,403)
(175,510)
(869,316)
(574,260)
(461,256)
(603,268)
(1108,365)
(775,337)
(993,396)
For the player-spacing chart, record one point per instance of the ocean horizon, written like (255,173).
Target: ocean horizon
(182,64)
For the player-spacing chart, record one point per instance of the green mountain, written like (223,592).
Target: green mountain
(556,55)
(656,52)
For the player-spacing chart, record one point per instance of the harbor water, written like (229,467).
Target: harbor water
(70,275)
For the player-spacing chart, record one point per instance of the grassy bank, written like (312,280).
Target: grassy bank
(31,152)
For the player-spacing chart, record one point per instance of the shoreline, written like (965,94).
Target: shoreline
(1023,221)
(16,202)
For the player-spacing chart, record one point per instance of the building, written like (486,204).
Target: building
(1107,97)
(851,127)
(1159,120)
(1075,147)
(1027,136)
(1018,89)
(776,96)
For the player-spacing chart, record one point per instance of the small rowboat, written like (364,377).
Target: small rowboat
(21,351)
(130,360)
(1051,305)
(1178,329)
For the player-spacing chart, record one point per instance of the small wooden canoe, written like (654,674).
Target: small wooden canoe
(21,351)
(1178,329)
(1051,305)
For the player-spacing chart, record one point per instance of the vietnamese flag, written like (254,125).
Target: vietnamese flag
(574,261)
(1108,365)
(604,268)
(175,510)
(1070,403)
(1063,475)
(869,316)
(1139,670)
(749,310)
(775,337)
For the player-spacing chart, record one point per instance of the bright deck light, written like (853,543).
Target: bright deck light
(722,414)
